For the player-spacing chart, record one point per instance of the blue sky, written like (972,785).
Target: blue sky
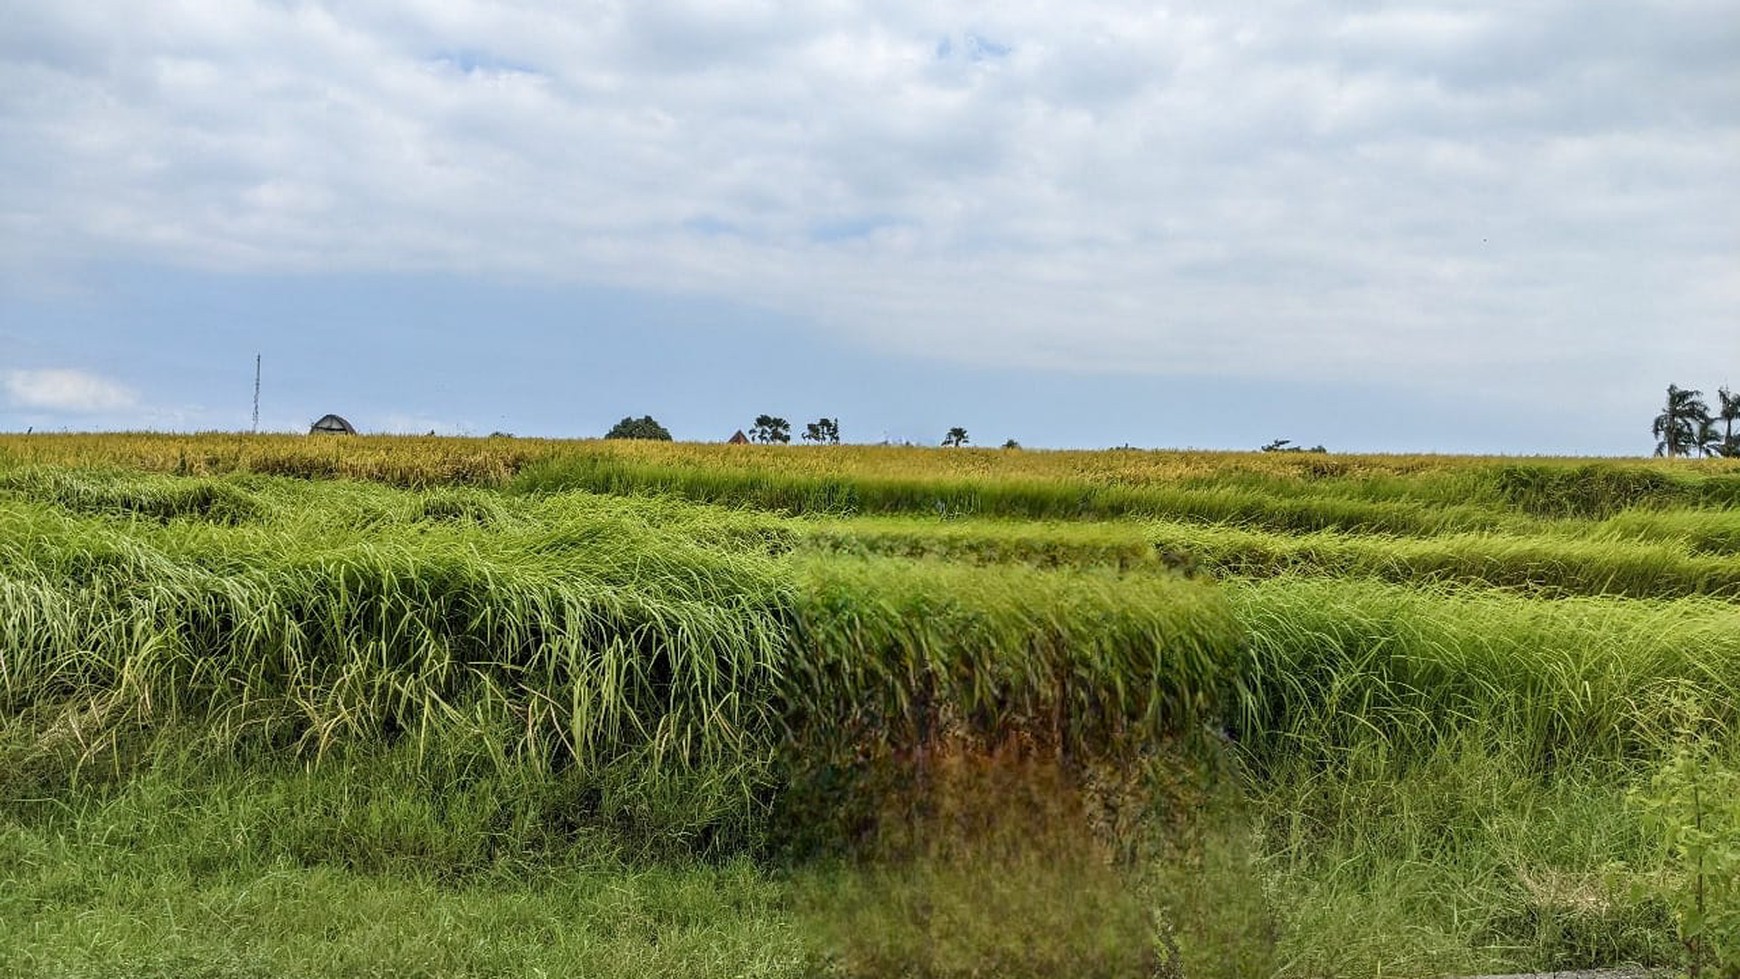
(1383,227)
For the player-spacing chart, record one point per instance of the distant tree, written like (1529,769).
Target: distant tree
(956,437)
(1678,426)
(1728,412)
(1286,445)
(1011,444)
(643,427)
(769,429)
(823,430)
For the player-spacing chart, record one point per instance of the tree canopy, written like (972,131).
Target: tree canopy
(643,427)
(770,428)
(956,437)
(1286,445)
(1728,412)
(823,430)
(1680,428)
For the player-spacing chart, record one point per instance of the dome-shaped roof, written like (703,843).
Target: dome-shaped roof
(331,425)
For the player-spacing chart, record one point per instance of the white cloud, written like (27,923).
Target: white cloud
(63,390)
(1426,192)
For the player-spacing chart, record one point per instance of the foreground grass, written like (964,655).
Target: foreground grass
(1463,863)
(1466,865)
(67,912)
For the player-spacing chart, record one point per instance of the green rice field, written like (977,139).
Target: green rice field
(384,706)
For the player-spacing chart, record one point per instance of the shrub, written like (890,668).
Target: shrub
(644,427)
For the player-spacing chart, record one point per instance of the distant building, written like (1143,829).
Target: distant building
(331,425)
(738,439)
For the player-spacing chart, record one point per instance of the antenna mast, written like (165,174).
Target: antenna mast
(256,394)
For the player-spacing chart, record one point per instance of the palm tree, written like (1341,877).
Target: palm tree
(1728,414)
(1676,428)
(1708,437)
(956,437)
(770,428)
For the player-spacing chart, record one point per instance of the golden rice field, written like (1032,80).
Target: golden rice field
(279,705)
(440,460)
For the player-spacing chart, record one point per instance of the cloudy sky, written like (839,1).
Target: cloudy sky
(1390,226)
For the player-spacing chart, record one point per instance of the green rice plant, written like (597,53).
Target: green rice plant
(118,494)
(1546,564)
(1338,667)
(622,647)
(498,589)
(1397,495)
(1595,491)
(799,493)
(894,649)
(1543,564)
(1556,489)
(1590,492)
(661,647)
(893,660)
(805,493)
(1699,531)
(1119,546)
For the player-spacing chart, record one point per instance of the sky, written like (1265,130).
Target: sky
(1495,227)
